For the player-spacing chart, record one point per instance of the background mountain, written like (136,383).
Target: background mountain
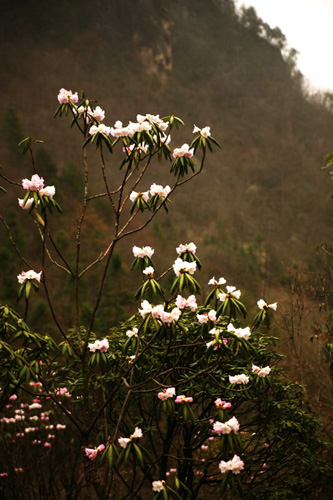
(261,205)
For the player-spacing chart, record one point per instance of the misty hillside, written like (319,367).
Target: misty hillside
(262,203)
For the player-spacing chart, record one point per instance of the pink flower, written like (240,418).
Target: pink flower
(183,399)
(99,345)
(47,444)
(35,184)
(190,302)
(66,96)
(93,452)
(98,114)
(187,247)
(183,151)
(170,392)
(13,397)
(223,405)
(204,132)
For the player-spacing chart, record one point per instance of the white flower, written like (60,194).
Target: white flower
(48,191)
(159,190)
(132,333)
(235,465)
(123,442)
(183,151)
(214,282)
(239,379)
(149,271)
(204,132)
(100,129)
(170,317)
(242,333)
(137,433)
(98,113)
(158,486)
(263,305)
(204,318)
(188,247)
(119,131)
(99,345)
(28,203)
(170,392)
(139,127)
(231,425)
(143,252)
(29,275)
(261,372)
(231,293)
(146,308)
(157,311)
(134,195)
(182,266)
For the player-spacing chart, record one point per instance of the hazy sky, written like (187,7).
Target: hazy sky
(308,26)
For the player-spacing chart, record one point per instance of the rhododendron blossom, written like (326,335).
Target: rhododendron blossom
(190,302)
(100,129)
(93,452)
(242,333)
(232,293)
(35,184)
(263,305)
(170,392)
(66,96)
(146,308)
(48,191)
(28,203)
(226,427)
(132,333)
(183,151)
(222,405)
(134,195)
(99,345)
(143,252)
(219,282)
(235,465)
(170,317)
(29,275)
(205,317)
(136,435)
(188,247)
(158,486)
(261,372)
(183,399)
(239,379)
(204,132)
(119,131)
(182,266)
(149,271)
(157,189)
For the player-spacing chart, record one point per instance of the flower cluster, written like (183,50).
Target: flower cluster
(66,96)
(183,399)
(232,293)
(239,379)
(235,465)
(261,372)
(204,132)
(182,266)
(158,312)
(99,345)
(29,275)
(205,317)
(264,306)
(143,252)
(219,282)
(93,452)
(188,247)
(183,151)
(242,333)
(190,302)
(222,405)
(226,427)
(136,435)
(170,392)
